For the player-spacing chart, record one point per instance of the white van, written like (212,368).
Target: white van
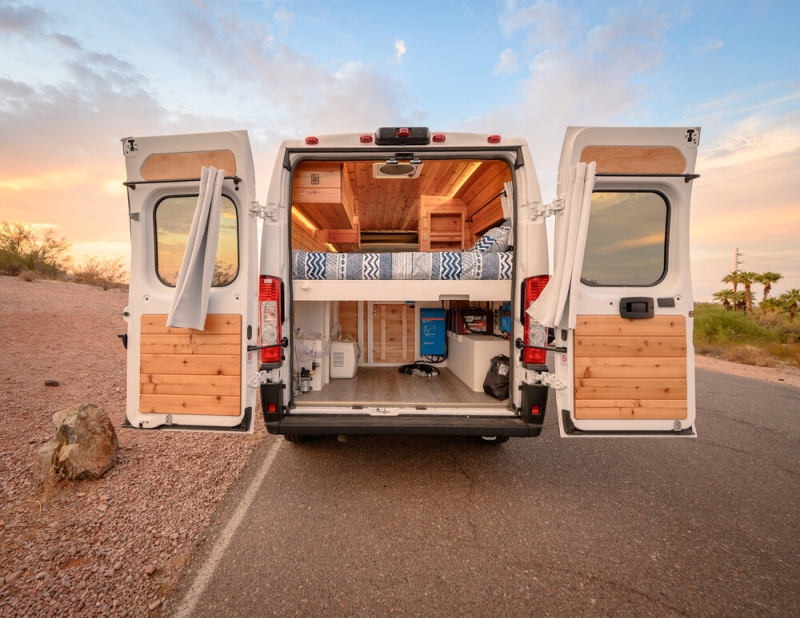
(393,273)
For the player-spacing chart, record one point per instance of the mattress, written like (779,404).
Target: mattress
(427,266)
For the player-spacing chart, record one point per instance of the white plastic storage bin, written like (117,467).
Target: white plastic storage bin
(344,359)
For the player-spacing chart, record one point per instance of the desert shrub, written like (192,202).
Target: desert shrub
(715,326)
(21,249)
(105,273)
(28,275)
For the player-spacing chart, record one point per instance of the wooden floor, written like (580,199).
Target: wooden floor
(382,385)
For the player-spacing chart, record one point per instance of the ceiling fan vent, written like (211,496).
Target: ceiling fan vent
(396,170)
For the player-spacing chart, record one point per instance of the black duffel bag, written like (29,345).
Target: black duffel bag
(496,382)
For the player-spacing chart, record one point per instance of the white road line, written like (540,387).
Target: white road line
(189,602)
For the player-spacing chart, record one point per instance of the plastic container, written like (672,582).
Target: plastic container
(344,359)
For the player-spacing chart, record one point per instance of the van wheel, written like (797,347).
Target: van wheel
(296,438)
(494,439)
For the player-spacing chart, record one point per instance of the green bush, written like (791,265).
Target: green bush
(714,326)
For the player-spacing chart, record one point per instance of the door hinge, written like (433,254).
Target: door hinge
(264,211)
(548,379)
(263,377)
(547,210)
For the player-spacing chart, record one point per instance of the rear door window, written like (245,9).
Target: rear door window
(627,239)
(173,217)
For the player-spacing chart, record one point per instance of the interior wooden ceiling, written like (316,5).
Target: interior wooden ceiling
(393,203)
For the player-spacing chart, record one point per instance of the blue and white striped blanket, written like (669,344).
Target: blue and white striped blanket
(436,266)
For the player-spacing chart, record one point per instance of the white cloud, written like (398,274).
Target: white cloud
(400,47)
(508,62)
(284,16)
(706,45)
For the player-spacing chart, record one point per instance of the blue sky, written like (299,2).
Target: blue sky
(77,77)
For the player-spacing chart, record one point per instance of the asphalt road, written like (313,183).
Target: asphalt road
(418,526)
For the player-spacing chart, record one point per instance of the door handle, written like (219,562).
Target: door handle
(636,307)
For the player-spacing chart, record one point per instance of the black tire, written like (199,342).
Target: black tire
(296,438)
(494,439)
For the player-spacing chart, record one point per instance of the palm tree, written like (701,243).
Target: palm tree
(770,305)
(767,279)
(734,278)
(746,278)
(738,300)
(725,297)
(791,300)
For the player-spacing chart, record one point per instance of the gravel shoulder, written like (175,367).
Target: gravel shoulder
(93,548)
(112,546)
(779,375)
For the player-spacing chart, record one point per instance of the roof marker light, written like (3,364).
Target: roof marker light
(439,138)
(365,139)
(404,132)
(493,139)
(312,141)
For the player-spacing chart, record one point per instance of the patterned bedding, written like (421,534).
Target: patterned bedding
(435,266)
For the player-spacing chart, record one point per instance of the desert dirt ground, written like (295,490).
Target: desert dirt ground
(115,545)
(110,546)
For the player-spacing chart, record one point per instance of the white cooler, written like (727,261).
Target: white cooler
(344,359)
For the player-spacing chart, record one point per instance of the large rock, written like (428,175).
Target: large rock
(85,444)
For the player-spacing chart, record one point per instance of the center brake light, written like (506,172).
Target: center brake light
(270,309)
(534,333)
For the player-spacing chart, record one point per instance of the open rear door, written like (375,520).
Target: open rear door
(191,377)
(627,360)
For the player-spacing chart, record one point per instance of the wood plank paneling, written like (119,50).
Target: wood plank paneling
(189,371)
(187,165)
(622,367)
(603,325)
(612,345)
(189,404)
(216,324)
(630,369)
(635,159)
(393,333)
(154,384)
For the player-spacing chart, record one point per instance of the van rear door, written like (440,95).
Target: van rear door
(190,377)
(626,357)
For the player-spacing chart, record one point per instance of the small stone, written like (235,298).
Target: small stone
(10,579)
(153,604)
(51,382)
(65,581)
(117,566)
(102,507)
(149,569)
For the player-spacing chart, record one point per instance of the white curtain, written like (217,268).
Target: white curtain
(507,200)
(190,303)
(556,306)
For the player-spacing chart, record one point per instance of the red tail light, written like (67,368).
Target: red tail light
(535,333)
(270,318)
(535,411)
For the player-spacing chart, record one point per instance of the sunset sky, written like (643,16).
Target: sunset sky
(77,77)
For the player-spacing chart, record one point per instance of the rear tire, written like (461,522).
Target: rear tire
(494,439)
(296,438)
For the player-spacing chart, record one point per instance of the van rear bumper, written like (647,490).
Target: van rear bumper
(330,424)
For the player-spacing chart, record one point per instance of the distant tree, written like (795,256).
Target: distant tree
(21,250)
(224,273)
(767,279)
(726,297)
(746,278)
(770,305)
(734,278)
(105,273)
(790,300)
